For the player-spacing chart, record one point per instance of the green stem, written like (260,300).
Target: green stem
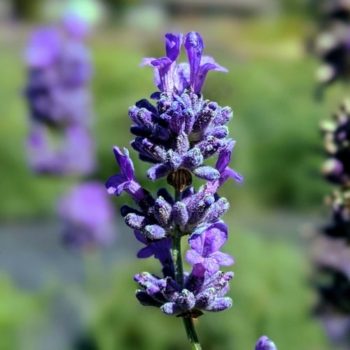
(191,333)
(179,277)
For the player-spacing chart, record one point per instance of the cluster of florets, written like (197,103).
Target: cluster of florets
(59,101)
(332,43)
(332,251)
(176,135)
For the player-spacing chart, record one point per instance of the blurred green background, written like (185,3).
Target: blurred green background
(51,298)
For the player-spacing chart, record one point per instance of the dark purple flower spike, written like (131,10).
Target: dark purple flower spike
(176,134)
(332,248)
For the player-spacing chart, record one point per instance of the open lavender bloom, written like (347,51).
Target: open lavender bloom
(182,129)
(332,249)
(264,343)
(176,134)
(87,216)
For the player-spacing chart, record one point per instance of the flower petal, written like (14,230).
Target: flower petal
(173,45)
(225,157)
(207,64)
(125,163)
(222,259)
(192,257)
(194,47)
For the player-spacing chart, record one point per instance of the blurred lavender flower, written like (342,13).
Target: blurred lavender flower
(177,134)
(59,71)
(332,251)
(59,100)
(264,343)
(332,44)
(87,216)
(70,151)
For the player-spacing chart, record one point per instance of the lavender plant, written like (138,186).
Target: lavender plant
(176,134)
(332,251)
(59,101)
(60,140)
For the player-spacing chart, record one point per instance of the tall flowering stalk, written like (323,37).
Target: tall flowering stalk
(176,134)
(332,251)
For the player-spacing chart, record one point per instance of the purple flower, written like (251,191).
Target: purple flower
(125,180)
(43,48)
(332,251)
(264,343)
(78,151)
(75,26)
(72,154)
(205,243)
(160,250)
(331,44)
(222,165)
(87,216)
(59,72)
(198,294)
(170,76)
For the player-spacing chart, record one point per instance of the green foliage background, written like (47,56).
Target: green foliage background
(270,87)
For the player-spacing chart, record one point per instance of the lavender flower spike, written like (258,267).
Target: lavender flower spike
(176,134)
(264,343)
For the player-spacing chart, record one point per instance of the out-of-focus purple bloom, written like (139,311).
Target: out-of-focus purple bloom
(59,72)
(75,26)
(78,151)
(264,343)
(87,216)
(205,243)
(41,153)
(67,152)
(332,250)
(337,326)
(43,48)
